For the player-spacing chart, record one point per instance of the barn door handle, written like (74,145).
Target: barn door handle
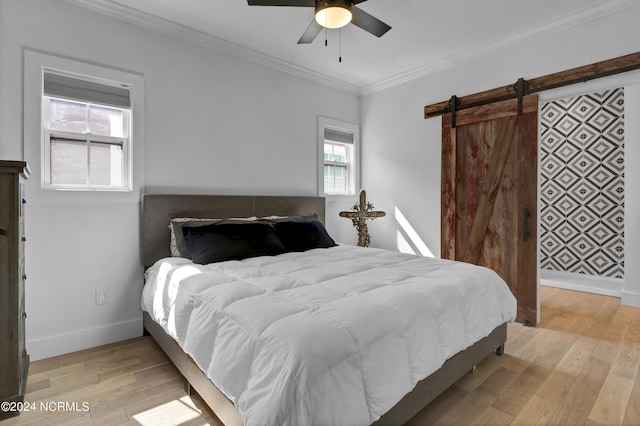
(525,224)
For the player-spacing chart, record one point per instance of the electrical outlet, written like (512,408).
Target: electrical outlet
(101,296)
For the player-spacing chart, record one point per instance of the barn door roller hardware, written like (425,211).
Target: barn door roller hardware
(521,88)
(526,87)
(453,107)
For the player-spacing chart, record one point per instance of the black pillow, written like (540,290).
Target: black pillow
(236,241)
(302,236)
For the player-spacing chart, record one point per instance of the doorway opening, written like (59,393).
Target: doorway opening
(582,189)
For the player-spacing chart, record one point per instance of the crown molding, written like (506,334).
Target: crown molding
(549,27)
(190,35)
(154,23)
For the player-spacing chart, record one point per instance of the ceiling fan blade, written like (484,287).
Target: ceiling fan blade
(369,23)
(302,3)
(357,1)
(310,33)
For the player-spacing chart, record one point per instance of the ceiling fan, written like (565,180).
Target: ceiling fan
(331,14)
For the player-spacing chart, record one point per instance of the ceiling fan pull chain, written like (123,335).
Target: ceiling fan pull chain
(326,26)
(340,47)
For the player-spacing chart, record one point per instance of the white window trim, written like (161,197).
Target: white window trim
(34,65)
(353,178)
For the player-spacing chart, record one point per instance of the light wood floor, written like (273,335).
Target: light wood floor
(579,366)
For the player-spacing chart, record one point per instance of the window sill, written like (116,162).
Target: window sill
(339,197)
(85,189)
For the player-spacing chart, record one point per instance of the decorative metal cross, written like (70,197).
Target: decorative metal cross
(361,212)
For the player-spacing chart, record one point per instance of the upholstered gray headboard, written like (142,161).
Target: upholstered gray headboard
(158,209)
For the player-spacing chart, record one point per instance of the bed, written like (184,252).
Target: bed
(157,212)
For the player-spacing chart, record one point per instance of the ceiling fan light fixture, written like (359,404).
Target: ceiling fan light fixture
(333,14)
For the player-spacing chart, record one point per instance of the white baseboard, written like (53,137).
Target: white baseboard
(580,282)
(631,299)
(59,344)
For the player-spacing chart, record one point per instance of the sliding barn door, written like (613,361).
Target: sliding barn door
(489,194)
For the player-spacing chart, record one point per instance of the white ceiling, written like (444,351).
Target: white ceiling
(426,35)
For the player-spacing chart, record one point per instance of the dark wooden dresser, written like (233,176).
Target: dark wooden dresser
(14,361)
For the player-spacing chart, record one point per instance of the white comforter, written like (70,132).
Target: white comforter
(326,337)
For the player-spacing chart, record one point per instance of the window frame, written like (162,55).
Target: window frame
(35,64)
(353,157)
(333,163)
(47,133)
(88,138)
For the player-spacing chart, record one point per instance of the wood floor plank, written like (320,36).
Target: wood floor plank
(517,394)
(575,359)
(56,372)
(68,418)
(156,375)
(160,411)
(104,390)
(439,407)
(518,336)
(141,401)
(537,411)
(627,361)
(60,385)
(578,402)
(606,351)
(559,323)
(48,364)
(632,414)
(590,422)
(85,355)
(116,416)
(493,417)
(34,385)
(612,401)
(134,394)
(539,342)
(483,371)
(138,364)
(556,386)
(631,335)
(470,407)
(555,350)
(500,379)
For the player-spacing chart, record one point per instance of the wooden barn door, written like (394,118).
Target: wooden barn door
(489,194)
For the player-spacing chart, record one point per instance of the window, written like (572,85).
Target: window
(336,166)
(339,145)
(86,133)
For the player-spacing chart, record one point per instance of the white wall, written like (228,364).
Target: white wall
(401,150)
(213,124)
(631,292)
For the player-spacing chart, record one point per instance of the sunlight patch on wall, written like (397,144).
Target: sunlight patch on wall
(403,245)
(408,240)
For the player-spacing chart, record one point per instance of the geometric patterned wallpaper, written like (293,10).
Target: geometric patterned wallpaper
(582,184)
